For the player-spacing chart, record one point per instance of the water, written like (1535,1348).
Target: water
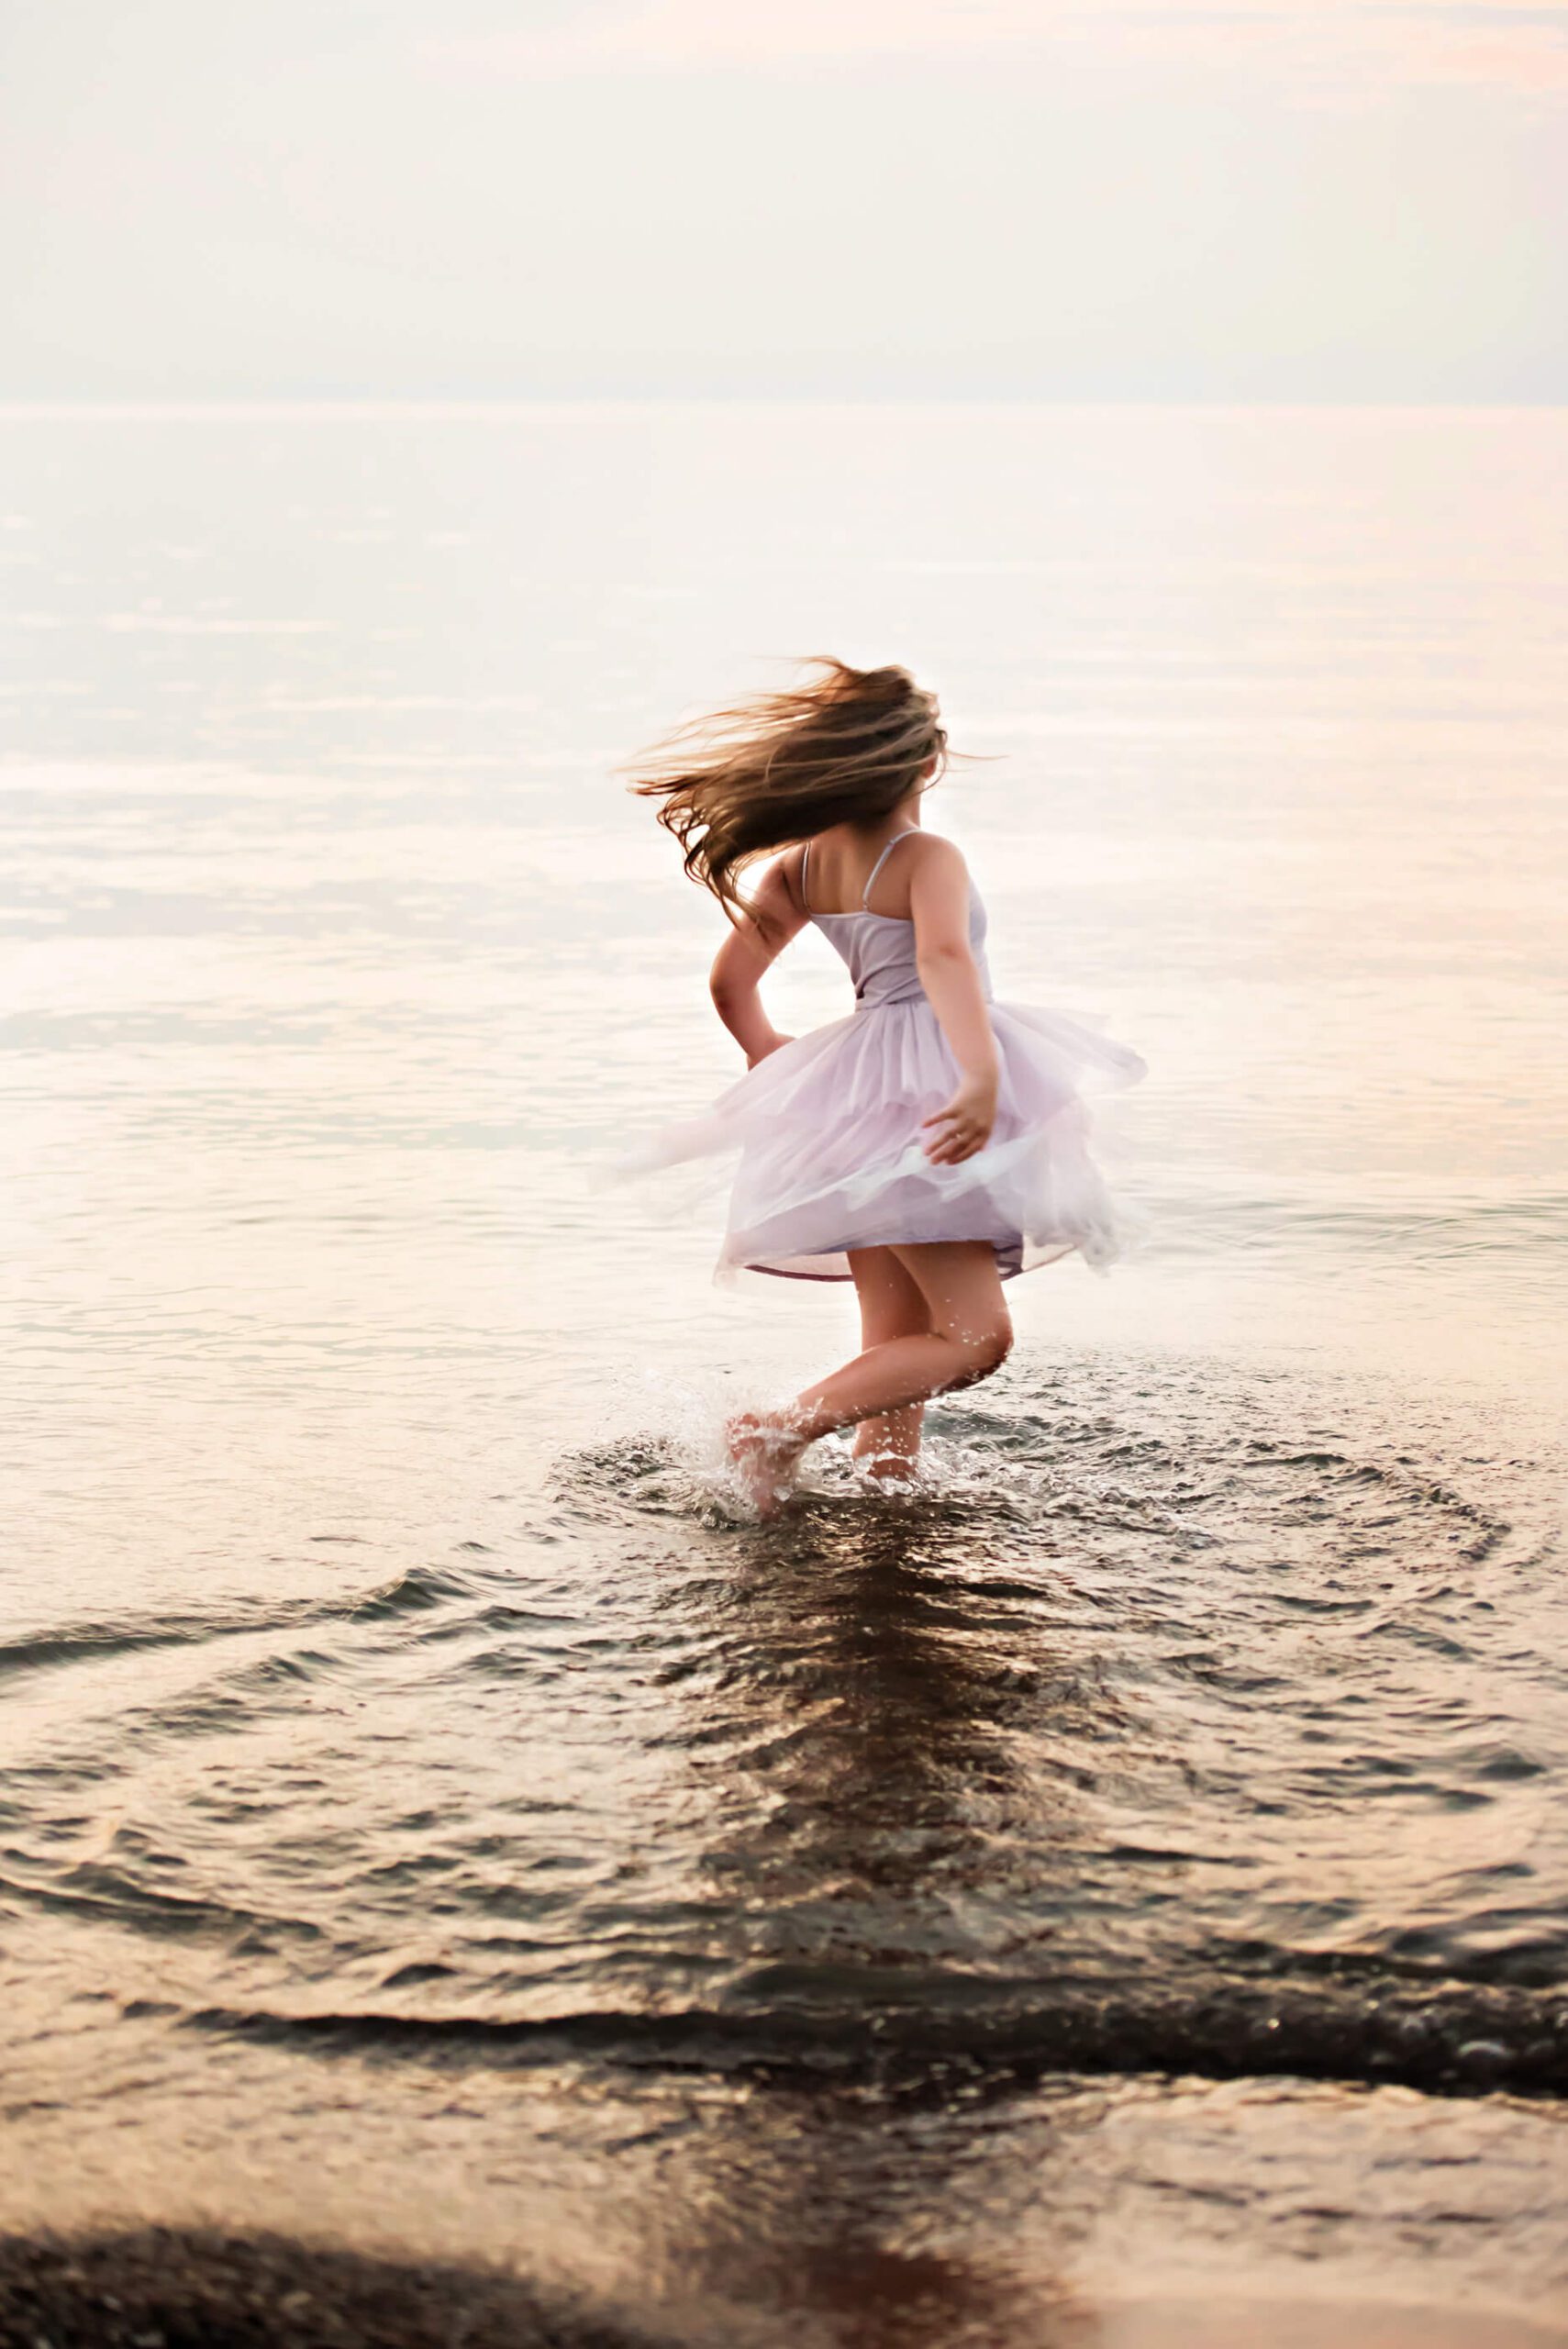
(1130,1872)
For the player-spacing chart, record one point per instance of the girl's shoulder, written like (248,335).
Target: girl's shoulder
(927,875)
(935,849)
(934,859)
(788,872)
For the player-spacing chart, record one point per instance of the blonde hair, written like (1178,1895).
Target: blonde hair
(844,747)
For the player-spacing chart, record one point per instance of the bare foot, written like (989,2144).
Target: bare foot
(889,1467)
(762,1454)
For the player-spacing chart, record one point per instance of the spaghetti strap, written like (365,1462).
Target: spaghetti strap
(908,834)
(804,861)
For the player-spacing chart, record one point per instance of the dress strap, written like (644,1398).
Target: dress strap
(906,834)
(804,861)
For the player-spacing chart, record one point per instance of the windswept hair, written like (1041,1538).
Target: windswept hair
(843,747)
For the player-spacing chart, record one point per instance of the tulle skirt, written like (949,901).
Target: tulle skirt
(828,1132)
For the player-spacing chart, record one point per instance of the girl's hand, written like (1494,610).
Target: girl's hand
(964,1125)
(775,1043)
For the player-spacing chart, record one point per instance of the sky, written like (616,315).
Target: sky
(1287,200)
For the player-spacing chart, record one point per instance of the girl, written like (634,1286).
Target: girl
(929,1146)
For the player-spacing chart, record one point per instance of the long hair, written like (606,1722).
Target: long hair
(843,747)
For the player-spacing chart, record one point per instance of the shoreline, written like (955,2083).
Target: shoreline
(174,2288)
(154,2286)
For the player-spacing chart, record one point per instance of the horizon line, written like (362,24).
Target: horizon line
(262,407)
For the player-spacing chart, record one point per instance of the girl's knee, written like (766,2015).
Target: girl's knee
(985,1350)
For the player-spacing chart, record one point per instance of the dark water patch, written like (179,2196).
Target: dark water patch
(862,2024)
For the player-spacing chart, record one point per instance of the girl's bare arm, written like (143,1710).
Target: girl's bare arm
(745,955)
(938,901)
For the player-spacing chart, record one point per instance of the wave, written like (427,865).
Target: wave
(1444,2039)
(414,1591)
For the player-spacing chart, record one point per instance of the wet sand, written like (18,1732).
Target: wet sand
(366,2198)
(191,2288)
(169,2288)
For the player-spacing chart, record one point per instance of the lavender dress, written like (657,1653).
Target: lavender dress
(829,1127)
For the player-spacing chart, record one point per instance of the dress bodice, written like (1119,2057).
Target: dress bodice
(880,948)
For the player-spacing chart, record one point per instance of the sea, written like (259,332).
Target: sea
(1115,1893)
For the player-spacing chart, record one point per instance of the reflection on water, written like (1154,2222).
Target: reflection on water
(390,1702)
(1044,1762)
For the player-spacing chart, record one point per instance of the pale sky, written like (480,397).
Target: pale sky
(1059,199)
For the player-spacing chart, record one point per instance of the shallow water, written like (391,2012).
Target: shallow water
(409,1760)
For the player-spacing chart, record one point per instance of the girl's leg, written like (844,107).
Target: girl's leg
(968,1335)
(891,1307)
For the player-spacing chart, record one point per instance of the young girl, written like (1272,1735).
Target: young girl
(927,1147)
